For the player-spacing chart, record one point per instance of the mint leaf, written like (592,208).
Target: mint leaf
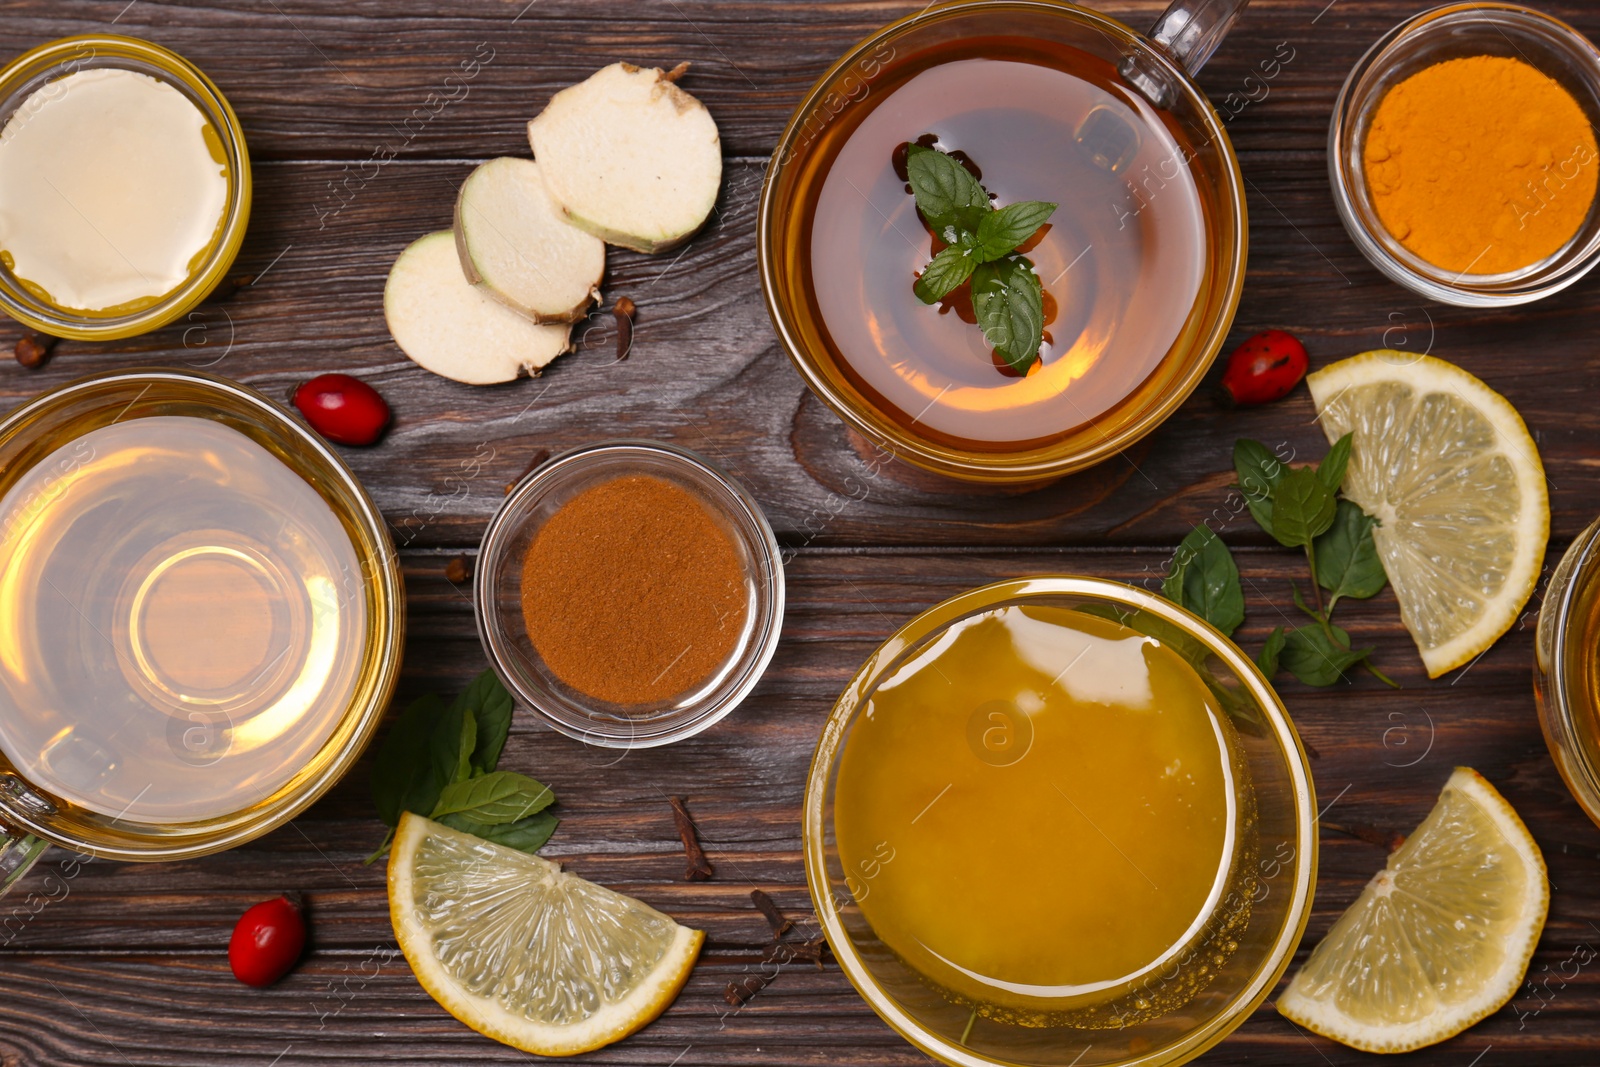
(1268,660)
(999,232)
(1009,301)
(491,707)
(1347,559)
(1205,580)
(525,835)
(1302,507)
(403,774)
(1331,469)
(946,271)
(948,196)
(1259,472)
(454,738)
(1311,657)
(494,798)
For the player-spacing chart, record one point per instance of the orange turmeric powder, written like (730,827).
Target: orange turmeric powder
(1481,165)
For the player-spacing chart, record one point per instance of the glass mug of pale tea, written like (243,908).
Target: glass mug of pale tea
(201,618)
(1139,267)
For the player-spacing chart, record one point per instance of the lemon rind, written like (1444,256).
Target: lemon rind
(1534,507)
(485,1015)
(1324,1018)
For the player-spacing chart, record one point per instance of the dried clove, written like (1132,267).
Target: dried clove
(1372,835)
(458,570)
(539,456)
(34,348)
(741,990)
(770,912)
(786,952)
(624,310)
(700,869)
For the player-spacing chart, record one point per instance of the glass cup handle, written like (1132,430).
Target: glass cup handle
(1188,31)
(17,853)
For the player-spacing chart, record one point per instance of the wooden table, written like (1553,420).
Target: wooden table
(360,141)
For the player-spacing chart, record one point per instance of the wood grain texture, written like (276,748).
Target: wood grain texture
(125,964)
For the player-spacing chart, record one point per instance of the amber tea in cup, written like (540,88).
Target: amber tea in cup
(1140,263)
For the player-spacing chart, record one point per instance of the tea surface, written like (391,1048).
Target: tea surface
(1040,809)
(1122,260)
(181,621)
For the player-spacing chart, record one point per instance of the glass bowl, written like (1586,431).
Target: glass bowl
(852,87)
(498,595)
(35,68)
(1451,32)
(34,431)
(1279,901)
(1566,670)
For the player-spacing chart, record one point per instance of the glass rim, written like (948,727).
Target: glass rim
(911,634)
(386,629)
(1046,462)
(751,660)
(1356,100)
(1558,706)
(49,59)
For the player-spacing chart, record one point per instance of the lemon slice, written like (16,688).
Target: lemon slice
(524,953)
(1447,467)
(1440,938)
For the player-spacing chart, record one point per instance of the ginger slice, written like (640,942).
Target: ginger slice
(516,246)
(448,326)
(630,157)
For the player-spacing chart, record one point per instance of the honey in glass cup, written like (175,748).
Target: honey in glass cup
(200,618)
(1141,263)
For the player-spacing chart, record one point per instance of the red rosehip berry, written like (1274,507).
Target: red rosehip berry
(1265,368)
(266,942)
(343,409)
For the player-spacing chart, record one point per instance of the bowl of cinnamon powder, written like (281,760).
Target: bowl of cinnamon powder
(630,593)
(1463,154)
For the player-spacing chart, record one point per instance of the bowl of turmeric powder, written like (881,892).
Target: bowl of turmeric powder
(630,593)
(1463,154)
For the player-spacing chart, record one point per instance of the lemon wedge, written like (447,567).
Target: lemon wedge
(1447,467)
(1440,938)
(524,953)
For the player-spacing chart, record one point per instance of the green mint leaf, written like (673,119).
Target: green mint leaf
(999,232)
(1009,302)
(494,798)
(525,835)
(1259,473)
(1315,660)
(1331,469)
(1302,507)
(1347,559)
(1268,660)
(948,196)
(946,271)
(1205,580)
(491,707)
(403,774)
(453,739)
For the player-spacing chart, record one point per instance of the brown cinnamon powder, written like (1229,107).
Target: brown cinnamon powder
(632,592)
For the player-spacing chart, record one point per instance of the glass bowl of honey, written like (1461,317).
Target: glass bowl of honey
(1566,671)
(1544,185)
(1059,820)
(1140,266)
(201,616)
(631,593)
(125,187)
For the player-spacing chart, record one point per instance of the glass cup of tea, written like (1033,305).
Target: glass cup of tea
(1140,265)
(201,618)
